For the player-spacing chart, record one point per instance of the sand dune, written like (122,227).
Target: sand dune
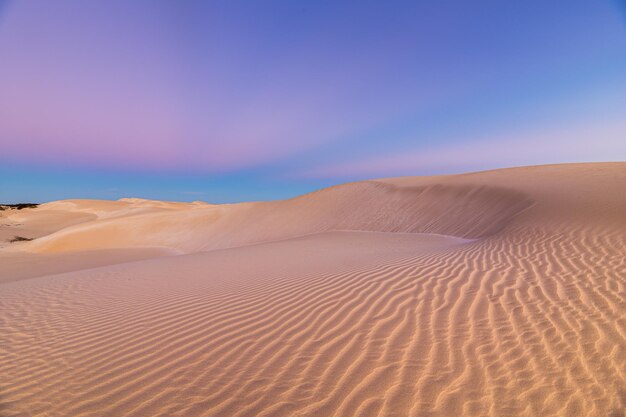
(459,210)
(499,293)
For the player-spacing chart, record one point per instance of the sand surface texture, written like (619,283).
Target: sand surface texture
(499,293)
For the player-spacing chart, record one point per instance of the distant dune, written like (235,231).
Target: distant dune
(497,293)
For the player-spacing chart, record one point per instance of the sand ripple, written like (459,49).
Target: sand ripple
(527,324)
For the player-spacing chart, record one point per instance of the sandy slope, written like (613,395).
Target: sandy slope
(499,293)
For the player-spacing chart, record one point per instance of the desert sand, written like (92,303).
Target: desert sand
(497,293)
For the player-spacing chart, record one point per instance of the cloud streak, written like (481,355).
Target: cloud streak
(577,143)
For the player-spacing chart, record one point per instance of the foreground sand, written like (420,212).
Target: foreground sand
(499,293)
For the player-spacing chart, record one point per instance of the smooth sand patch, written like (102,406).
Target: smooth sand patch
(15,266)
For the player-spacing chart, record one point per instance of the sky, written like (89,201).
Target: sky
(229,101)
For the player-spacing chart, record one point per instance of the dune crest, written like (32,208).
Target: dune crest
(457,210)
(499,293)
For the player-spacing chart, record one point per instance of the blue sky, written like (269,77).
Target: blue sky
(234,101)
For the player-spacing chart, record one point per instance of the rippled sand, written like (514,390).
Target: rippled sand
(500,293)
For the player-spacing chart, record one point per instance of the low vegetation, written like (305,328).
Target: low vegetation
(20,239)
(18,206)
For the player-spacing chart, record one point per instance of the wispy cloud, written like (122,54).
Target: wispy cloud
(577,143)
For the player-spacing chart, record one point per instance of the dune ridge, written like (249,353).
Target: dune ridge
(457,210)
(523,313)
